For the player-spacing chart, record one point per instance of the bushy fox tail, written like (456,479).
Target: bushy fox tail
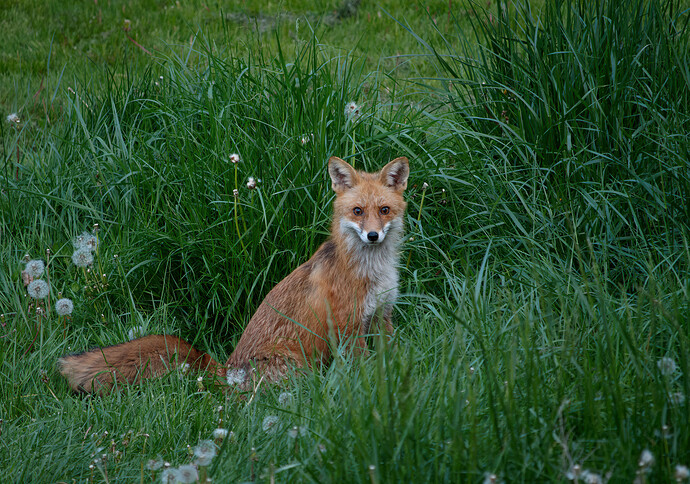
(97,370)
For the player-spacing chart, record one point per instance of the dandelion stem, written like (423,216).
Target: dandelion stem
(38,329)
(372,474)
(98,259)
(142,462)
(419,218)
(48,279)
(237,224)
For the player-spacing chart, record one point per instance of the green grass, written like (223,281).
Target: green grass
(50,46)
(544,278)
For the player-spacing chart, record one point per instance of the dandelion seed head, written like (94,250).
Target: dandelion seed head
(234,158)
(91,243)
(82,258)
(187,474)
(64,307)
(251,183)
(136,332)
(220,433)
(38,289)
(13,118)
(284,398)
(666,365)
(236,376)
(352,111)
(646,459)
(235,193)
(154,464)
(676,398)
(297,430)
(681,473)
(170,475)
(425,185)
(205,452)
(270,423)
(664,433)
(78,241)
(490,478)
(86,241)
(307,138)
(35,268)
(589,477)
(574,472)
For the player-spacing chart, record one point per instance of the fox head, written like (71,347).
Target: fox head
(369,207)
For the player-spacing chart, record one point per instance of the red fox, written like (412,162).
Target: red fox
(331,299)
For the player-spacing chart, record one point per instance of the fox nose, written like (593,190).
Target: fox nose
(373,236)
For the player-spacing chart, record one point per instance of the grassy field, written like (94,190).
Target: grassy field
(542,329)
(51,46)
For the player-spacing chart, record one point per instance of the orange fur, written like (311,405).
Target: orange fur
(331,299)
(98,370)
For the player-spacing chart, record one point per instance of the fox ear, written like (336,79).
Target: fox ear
(342,174)
(395,173)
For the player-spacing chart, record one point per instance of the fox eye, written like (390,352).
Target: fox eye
(357,211)
(385,210)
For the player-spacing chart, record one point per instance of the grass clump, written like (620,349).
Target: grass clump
(581,110)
